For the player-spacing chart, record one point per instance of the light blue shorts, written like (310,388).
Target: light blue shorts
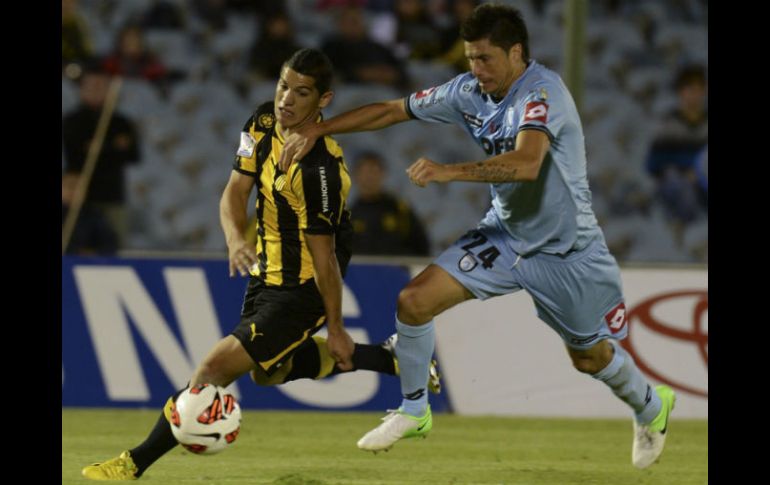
(579,295)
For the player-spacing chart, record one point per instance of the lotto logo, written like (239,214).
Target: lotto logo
(616,318)
(424,93)
(536,111)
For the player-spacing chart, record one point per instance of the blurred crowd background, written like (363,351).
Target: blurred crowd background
(194,70)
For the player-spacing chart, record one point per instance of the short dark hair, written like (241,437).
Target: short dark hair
(691,74)
(503,25)
(313,63)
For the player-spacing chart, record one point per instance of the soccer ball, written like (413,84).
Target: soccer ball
(205,419)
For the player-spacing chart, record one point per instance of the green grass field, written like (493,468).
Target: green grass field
(304,448)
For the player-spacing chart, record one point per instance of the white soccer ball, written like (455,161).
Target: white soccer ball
(205,419)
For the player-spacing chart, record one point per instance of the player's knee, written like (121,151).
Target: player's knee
(587,365)
(593,359)
(209,371)
(412,306)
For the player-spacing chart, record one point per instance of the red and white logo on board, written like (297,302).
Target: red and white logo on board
(536,111)
(616,319)
(675,318)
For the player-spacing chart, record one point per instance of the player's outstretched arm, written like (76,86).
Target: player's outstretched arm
(520,165)
(329,281)
(366,118)
(233,217)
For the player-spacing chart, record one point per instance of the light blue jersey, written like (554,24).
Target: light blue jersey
(533,228)
(540,236)
(552,214)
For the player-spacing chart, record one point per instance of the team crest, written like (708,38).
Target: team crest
(467,263)
(542,94)
(266,120)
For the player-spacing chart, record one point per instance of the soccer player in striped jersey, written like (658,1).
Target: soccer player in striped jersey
(295,271)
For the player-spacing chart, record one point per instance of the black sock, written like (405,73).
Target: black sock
(160,441)
(372,357)
(306,361)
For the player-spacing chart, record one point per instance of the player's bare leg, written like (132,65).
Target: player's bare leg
(427,295)
(227,361)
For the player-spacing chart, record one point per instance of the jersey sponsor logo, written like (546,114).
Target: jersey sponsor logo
(536,111)
(424,93)
(246,148)
(324,190)
(616,319)
(472,120)
(498,145)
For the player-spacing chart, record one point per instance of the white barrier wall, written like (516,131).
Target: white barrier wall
(498,358)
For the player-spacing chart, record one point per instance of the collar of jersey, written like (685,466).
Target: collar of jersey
(278,126)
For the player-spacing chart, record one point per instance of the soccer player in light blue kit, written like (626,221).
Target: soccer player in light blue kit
(540,234)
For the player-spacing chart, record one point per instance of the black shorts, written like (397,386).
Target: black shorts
(275,321)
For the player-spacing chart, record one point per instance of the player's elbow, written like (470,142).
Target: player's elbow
(224,202)
(228,200)
(529,172)
(395,112)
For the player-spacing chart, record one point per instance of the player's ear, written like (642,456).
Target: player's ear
(516,52)
(326,98)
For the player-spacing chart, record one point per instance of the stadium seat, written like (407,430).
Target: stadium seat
(139,98)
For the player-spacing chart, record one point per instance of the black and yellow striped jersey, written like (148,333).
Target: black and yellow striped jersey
(311,198)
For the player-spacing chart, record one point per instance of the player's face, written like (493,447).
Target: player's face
(492,66)
(296,99)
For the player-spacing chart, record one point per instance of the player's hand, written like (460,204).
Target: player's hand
(296,146)
(424,171)
(341,348)
(242,256)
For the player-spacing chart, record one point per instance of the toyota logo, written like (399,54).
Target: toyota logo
(695,332)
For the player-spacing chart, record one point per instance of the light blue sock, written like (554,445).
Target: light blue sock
(628,383)
(414,350)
